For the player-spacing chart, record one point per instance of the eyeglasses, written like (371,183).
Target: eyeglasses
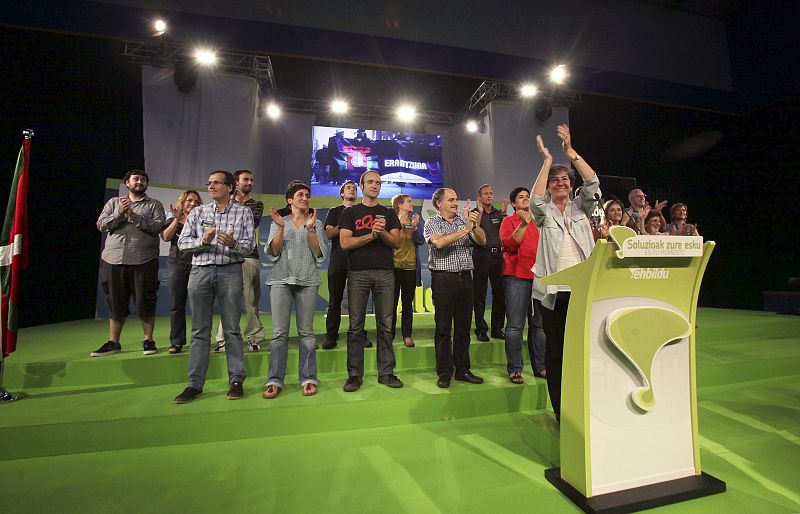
(215,183)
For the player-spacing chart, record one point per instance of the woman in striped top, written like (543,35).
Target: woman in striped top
(296,249)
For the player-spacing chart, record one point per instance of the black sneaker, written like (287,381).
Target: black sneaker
(107,349)
(188,394)
(149,347)
(236,390)
(390,381)
(352,384)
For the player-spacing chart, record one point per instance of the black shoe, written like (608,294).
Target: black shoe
(498,334)
(236,390)
(329,344)
(367,343)
(469,377)
(352,384)
(482,336)
(444,381)
(188,394)
(149,347)
(107,349)
(390,381)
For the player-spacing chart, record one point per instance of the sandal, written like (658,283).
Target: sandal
(516,378)
(541,374)
(175,348)
(309,389)
(271,392)
(409,342)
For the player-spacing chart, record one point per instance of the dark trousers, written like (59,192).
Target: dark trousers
(489,268)
(337,281)
(452,299)
(405,283)
(178,278)
(554,322)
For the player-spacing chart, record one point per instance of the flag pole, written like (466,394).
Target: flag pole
(5,396)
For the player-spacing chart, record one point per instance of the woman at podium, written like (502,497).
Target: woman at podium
(565,239)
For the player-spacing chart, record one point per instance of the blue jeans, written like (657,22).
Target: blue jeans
(359,284)
(178,278)
(281,297)
(225,284)
(519,308)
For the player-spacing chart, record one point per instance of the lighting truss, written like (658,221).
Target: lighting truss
(163,55)
(489,91)
(366,111)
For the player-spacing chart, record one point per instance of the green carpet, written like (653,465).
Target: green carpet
(102,435)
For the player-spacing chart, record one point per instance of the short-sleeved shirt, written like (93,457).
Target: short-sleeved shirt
(296,264)
(490,223)
(257,208)
(376,254)
(338,256)
(455,257)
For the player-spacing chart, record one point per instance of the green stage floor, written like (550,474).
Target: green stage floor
(102,435)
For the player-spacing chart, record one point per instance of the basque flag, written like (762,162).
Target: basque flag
(14,253)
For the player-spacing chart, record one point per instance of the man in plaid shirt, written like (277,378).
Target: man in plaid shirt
(450,262)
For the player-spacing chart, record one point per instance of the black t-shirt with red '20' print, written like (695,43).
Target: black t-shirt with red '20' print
(376,254)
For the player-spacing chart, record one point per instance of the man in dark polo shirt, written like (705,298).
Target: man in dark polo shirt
(369,232)
(130,259)
(488,261)
(337,267)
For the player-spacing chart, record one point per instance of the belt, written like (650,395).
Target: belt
(491,249)
(464,272)
(216,265)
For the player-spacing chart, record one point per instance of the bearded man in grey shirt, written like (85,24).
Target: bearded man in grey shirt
(130,259)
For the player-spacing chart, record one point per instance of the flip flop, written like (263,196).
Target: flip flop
(516,378)
(309,389)
(271,392)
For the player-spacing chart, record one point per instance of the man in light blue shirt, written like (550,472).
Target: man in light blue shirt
(220,235)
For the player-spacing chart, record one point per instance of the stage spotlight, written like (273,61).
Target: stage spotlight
(273,111)
(559,74)
(528,90)
(339,107)
(205,57)
(472,126)
(160,26)
(406,113)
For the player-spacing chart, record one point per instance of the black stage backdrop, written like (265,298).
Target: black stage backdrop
(85,104)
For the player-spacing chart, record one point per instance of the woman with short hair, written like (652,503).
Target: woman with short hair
(565,239)
(296,251)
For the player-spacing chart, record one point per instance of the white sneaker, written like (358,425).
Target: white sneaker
(220,346)
(254,346)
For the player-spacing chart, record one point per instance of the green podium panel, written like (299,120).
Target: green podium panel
(628,400)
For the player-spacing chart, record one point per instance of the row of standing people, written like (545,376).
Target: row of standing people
(220,235)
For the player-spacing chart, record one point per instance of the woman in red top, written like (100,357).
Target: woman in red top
(520,239)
